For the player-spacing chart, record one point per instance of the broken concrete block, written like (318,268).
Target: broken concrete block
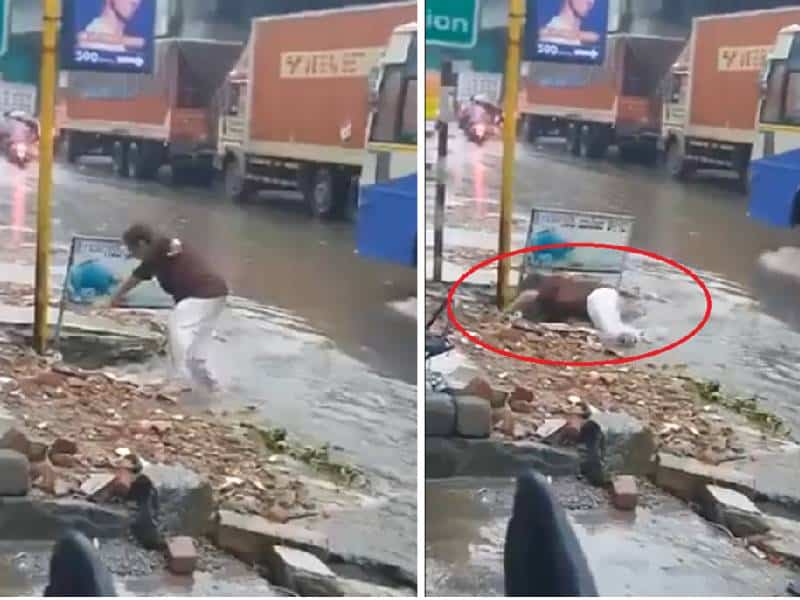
(733,510)
(186,500)
(521,394)
(250,537)
(64,446)
(97,486)
(624,492)
(302,572)
(14,473)
(480,388)
(473,417)
(181,555)
(687,477)
(629,447)
(440,414)
(550,428)
(355,588)
(782,540)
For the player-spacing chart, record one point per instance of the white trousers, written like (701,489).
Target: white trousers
(191,327)
(603,306)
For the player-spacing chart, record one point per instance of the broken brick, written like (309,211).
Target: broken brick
(278,514)
(480,388)
(181,555)
(520,406)
(624,492)
(48,379)
(14,439)
(521,394)
(64,446)
(65,461)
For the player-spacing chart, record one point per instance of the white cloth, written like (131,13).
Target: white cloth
(191,327)
(603,306)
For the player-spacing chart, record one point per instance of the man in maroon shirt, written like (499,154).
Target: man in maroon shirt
(200,294)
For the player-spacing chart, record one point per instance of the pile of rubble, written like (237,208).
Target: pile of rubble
(76,425)
(532,401)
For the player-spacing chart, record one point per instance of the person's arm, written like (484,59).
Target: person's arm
(124,289)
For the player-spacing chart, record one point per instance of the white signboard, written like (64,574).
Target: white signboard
(326,64)
(554,226)
(96,269)
(473,83)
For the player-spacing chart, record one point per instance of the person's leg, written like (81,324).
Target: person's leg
(182,322)
(208,312)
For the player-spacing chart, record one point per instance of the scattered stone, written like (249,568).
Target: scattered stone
(181,555)
(521,394)
(15,439)
(44,476)
(37,452)
(440,414)
(98,486)
(302,572)
(550,428)
(65,461)
(249,537)
(733,510)
(186,500)
(473,417)
(629,446)
(480,388)
(48,379)
(14,473)
(520,406)
(624,493)
(687,477)
(28,518)
(278,514)
(64,446)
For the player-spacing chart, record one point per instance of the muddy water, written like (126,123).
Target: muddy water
(751,342)
(314,340)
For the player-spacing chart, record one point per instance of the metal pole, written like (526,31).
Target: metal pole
(441,193)
(52,16)
(516,22)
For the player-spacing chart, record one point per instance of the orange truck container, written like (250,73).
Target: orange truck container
(299,100)
(617,103)
(713,93)
(144,121)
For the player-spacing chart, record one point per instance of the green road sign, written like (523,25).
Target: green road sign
(453,23)
(5,25)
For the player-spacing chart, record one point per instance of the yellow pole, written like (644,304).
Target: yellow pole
(516,22)
(47,117)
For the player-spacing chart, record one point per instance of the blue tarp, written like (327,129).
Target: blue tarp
(774,187)
(387,221)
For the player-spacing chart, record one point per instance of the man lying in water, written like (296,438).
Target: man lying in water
(563,299)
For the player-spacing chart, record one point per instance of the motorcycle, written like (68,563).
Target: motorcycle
(478,133)
(19,153)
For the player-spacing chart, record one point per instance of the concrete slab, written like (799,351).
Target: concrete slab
(775,477)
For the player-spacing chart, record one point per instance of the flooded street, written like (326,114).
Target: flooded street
(751,342)
(313,341)
(750,345)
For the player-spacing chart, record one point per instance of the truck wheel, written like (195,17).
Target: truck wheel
(677,165)
(320,197)
(351,201)
(236,186)
(70,147)
(592,142)
(574,139)
(140,166)
(119,158)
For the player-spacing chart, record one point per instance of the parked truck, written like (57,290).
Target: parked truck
(775,183)
(144,121)
(713,91)
(594,107)
(297,105)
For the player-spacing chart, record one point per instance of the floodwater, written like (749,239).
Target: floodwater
(751,344)
(752,341)
(317,340)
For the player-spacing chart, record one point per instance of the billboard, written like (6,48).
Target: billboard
(555,226)
(108,35)
(566,31)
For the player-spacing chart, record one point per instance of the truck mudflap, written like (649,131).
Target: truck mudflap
(775,189)
(387,221)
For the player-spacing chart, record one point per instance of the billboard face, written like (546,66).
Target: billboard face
(108,35)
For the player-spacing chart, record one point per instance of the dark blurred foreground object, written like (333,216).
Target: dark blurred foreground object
(542,554)
(76,569)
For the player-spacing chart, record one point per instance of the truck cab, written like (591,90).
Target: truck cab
(775,169)
(386,203)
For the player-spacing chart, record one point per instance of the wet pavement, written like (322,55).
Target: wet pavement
(751,342)
(664,550)
(316,340)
